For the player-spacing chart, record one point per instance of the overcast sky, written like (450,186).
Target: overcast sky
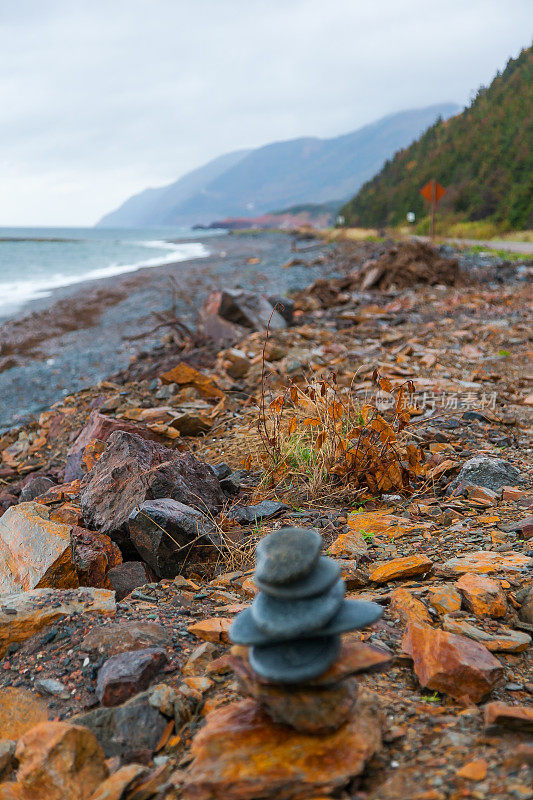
(101,98)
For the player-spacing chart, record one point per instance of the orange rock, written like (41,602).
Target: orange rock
(501,640)
(34,551)
(249,587)
(485,561)
(445,599)
(12,791)
(23,614)
(68,513)
(380,522)
(348,545)
(241,754)
(200,659)
(214,629)
(515,717)
(94,555)
(20,710)
(401,568)
(115,787)
(513,493)
(474,771)
(184,375)
(199,682)
(58,760)
(482,595)
(454,665)
(408,607)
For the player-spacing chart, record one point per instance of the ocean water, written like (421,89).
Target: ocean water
(34,261)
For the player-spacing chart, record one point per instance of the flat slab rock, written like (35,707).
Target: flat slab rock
(486,561)
(503,640)
(121,637)
(22,615)
(132,470)
(248,515)
(506,716)
(260,759)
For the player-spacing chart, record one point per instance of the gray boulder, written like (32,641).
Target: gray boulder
(131,731)
(249,310)
(490,473)
(166,533)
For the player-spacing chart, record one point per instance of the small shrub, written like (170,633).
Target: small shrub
(317,438)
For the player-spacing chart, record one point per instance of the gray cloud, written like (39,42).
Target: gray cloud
(101,99)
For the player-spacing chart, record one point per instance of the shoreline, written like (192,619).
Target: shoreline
(77,336)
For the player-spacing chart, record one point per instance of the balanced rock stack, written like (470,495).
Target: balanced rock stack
(303,728)
(294,624)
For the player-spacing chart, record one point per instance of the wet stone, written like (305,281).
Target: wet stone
(287,555)
(294,623)
(277,618)
(294,662)
(322,577)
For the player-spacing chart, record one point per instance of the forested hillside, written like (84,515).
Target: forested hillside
(483,156)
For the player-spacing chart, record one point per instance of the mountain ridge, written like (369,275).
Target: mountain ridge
(277,174)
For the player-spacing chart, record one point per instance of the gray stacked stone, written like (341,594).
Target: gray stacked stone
(294,624)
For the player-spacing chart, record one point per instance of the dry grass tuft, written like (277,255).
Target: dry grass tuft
(319,442)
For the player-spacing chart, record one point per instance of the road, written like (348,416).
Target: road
(525,248)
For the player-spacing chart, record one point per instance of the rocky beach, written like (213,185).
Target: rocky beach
(155,428)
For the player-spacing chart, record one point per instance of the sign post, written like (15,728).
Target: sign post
(433,192)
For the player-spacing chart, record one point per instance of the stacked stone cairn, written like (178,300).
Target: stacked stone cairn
(296,667)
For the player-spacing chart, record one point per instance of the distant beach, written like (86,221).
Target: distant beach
(74,335)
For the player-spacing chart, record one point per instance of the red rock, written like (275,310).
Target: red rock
(241,754)
(454,665)
(94,555)
(132,470)
(126,674)
(99,427)
(401,568)
(219,330)
(482,595)
(58,761)
(505,716)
